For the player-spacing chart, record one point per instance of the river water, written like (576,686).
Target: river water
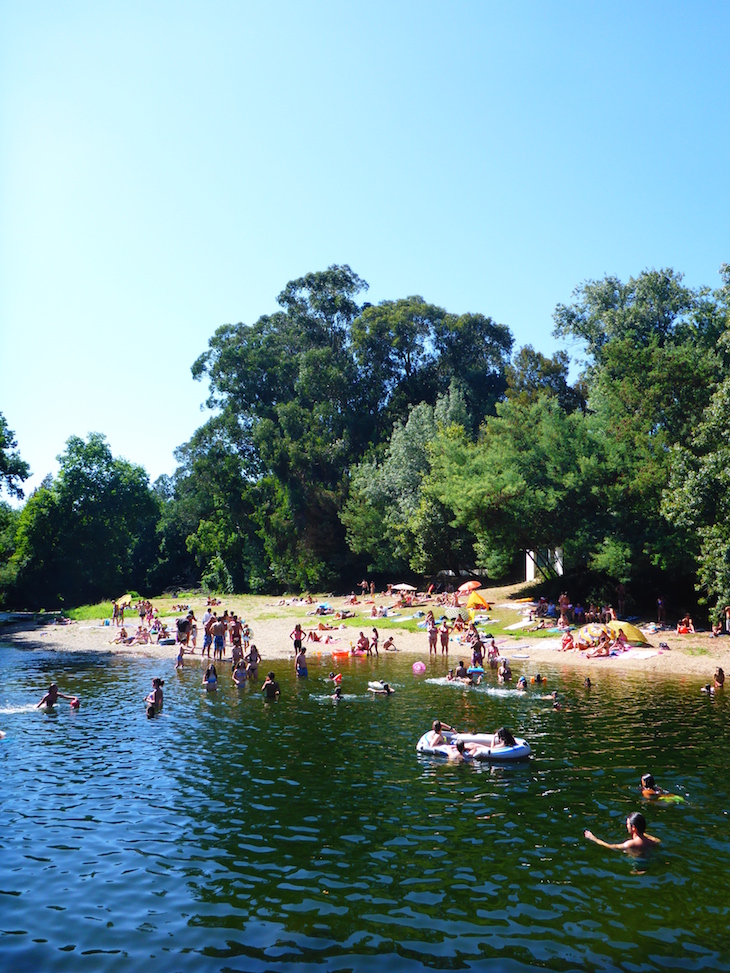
(238,835)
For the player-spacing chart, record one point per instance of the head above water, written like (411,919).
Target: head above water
(636,821)
(647,781)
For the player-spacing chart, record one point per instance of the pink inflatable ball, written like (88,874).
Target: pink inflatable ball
(419,668)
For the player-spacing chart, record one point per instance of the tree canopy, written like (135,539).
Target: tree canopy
(403,436)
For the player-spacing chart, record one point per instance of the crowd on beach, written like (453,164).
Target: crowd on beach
(223,630)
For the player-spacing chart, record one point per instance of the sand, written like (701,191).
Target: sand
(694,656)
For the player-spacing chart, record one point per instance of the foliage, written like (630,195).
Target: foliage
(13,470)
(89,533)
(697,498)
(217,578)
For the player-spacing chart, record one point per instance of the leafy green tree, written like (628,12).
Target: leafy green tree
(526,483)
(88,533)
(531,374)
(13,470)
(697,498)
(388,516)
(653,362)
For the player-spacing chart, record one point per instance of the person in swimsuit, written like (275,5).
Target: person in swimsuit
(155,697)
(239,673)
(298,636)
(300,663)
(210,679)
(252,662)
(374,641)
(270,687)
(52,696)
(638,841)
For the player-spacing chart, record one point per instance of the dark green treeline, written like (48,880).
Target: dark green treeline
(401,437)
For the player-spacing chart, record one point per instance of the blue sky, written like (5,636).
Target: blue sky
(166,168)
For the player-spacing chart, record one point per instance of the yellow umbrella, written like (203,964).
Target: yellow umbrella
(632,633)
(127,599)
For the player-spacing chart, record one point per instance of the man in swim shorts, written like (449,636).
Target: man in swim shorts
(218,631)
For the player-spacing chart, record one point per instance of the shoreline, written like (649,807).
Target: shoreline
(691,656)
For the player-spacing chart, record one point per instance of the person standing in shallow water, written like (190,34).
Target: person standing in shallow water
(270,687)
(300,663)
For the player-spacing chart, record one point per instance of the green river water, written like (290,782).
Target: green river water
(232,834)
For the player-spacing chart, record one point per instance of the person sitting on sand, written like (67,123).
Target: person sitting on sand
(719,678)
(685,626)
(52,696)
(602,648)
(568,643)
(122,637)
(270,687)
(389,644)
(210,679)
(313,637)
(638,842)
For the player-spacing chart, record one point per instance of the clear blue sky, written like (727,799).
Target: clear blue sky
(166,168)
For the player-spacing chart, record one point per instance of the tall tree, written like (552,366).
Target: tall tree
(13,469)
(653,362)
(89,533)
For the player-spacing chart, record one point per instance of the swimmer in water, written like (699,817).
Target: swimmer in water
(337,694)
(155,697)
(210,679)
(522,684)
(638,841)
(52,697)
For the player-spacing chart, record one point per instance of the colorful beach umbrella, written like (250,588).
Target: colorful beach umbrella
(593,631)
(469,586)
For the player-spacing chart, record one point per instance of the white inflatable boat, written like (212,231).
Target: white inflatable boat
(484,749)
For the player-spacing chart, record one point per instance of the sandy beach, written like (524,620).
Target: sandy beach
(692,656)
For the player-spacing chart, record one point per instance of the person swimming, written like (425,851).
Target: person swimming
(637,842)
(53,695)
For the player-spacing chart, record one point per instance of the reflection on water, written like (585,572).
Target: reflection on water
(228,834)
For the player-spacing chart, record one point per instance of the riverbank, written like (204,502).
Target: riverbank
(691,656)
